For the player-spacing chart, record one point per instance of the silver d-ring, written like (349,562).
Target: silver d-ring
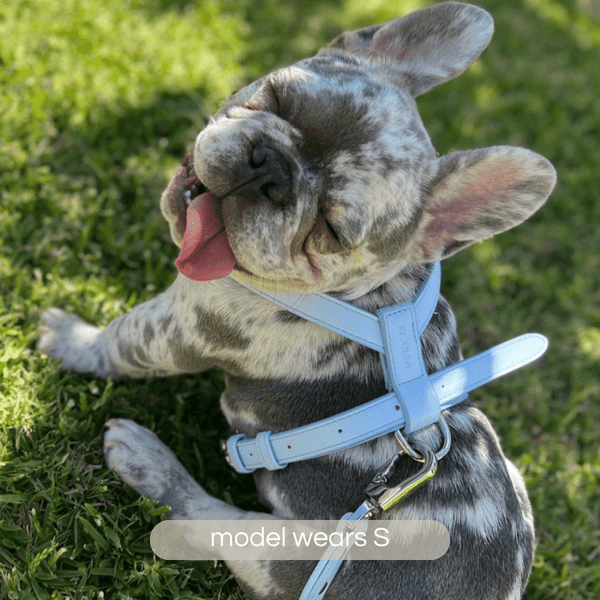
(447,438)
(415,453)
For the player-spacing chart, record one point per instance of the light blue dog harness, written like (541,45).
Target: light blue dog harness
(415,399)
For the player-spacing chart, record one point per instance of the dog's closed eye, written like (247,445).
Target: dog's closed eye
(264,99)
(325,239)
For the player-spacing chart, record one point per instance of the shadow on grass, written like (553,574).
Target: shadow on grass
(105,224)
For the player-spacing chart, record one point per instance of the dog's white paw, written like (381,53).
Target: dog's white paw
(69,338)
(149,466)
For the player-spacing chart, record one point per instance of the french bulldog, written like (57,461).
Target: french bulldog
(321,178)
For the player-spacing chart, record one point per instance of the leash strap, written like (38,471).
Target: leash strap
(318,584)
(381,416)
(381,498)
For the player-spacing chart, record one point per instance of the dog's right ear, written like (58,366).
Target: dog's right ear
(476,194)
(426,47)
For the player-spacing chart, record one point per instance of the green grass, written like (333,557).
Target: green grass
(98,102)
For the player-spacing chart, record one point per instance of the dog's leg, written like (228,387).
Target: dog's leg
(491,531)
(177,332)
(138,456)
(129,346)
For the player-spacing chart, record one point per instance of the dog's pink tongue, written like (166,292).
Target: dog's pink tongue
(205,252)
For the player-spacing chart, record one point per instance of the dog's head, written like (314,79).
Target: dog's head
(321,176)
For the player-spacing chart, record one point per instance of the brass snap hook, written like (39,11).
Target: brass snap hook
(386,497)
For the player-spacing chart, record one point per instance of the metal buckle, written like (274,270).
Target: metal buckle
(223,444)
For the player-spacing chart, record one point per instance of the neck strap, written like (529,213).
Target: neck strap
(349,320)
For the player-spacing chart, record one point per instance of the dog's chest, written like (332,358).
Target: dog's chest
(251,406)
(317,374)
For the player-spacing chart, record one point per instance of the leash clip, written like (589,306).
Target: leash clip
(385,497)
(381,497)
(394,495)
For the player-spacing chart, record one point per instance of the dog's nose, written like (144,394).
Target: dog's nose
(265,175)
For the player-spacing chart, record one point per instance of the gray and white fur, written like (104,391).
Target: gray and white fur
(348,198)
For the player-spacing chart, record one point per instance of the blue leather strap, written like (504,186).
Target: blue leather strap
(405,368)
(318,584)
(382,415)
(351,321)
(416,401)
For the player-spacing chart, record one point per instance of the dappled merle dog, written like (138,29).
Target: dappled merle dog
(320,177)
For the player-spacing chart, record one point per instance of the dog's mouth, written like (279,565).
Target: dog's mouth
(191,185)
(206,253)
(205,250)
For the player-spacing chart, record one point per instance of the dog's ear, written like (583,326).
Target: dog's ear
(477,194)
(426,47)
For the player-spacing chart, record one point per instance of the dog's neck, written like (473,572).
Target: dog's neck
(400,288)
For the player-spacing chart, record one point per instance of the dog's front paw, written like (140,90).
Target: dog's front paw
(149,467)
(69,338)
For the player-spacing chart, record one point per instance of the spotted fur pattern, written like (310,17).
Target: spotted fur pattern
(357,204)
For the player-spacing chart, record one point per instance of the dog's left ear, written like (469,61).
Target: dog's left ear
(426,47)
(477,194)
